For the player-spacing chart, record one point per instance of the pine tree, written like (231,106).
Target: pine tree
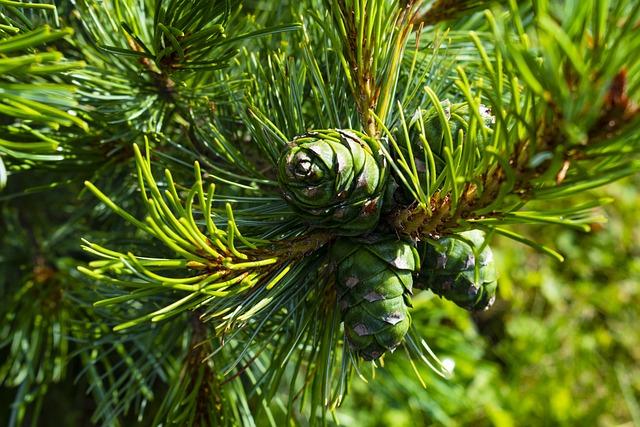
(214,212)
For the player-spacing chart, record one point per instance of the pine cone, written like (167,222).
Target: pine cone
(374,284)
(335,179)
(457,271)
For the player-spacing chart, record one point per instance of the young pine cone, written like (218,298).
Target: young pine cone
(334,179)
(456,269)
(374,284)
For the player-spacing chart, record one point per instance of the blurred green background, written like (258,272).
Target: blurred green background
(561,346)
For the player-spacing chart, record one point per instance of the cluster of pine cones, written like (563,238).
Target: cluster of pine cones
(339,180)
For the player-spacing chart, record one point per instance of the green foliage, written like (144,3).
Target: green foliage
(207,290)
(222,263)
(38,317)
(38,108)
(541,146)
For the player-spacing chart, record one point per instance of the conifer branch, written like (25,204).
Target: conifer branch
(543,161)
(372,53)
(221,262)
(34,100)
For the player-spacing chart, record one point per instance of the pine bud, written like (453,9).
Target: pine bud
(334,179)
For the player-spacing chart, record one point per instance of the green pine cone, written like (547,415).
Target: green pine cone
(334,179)
(456,271)
(374,284)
